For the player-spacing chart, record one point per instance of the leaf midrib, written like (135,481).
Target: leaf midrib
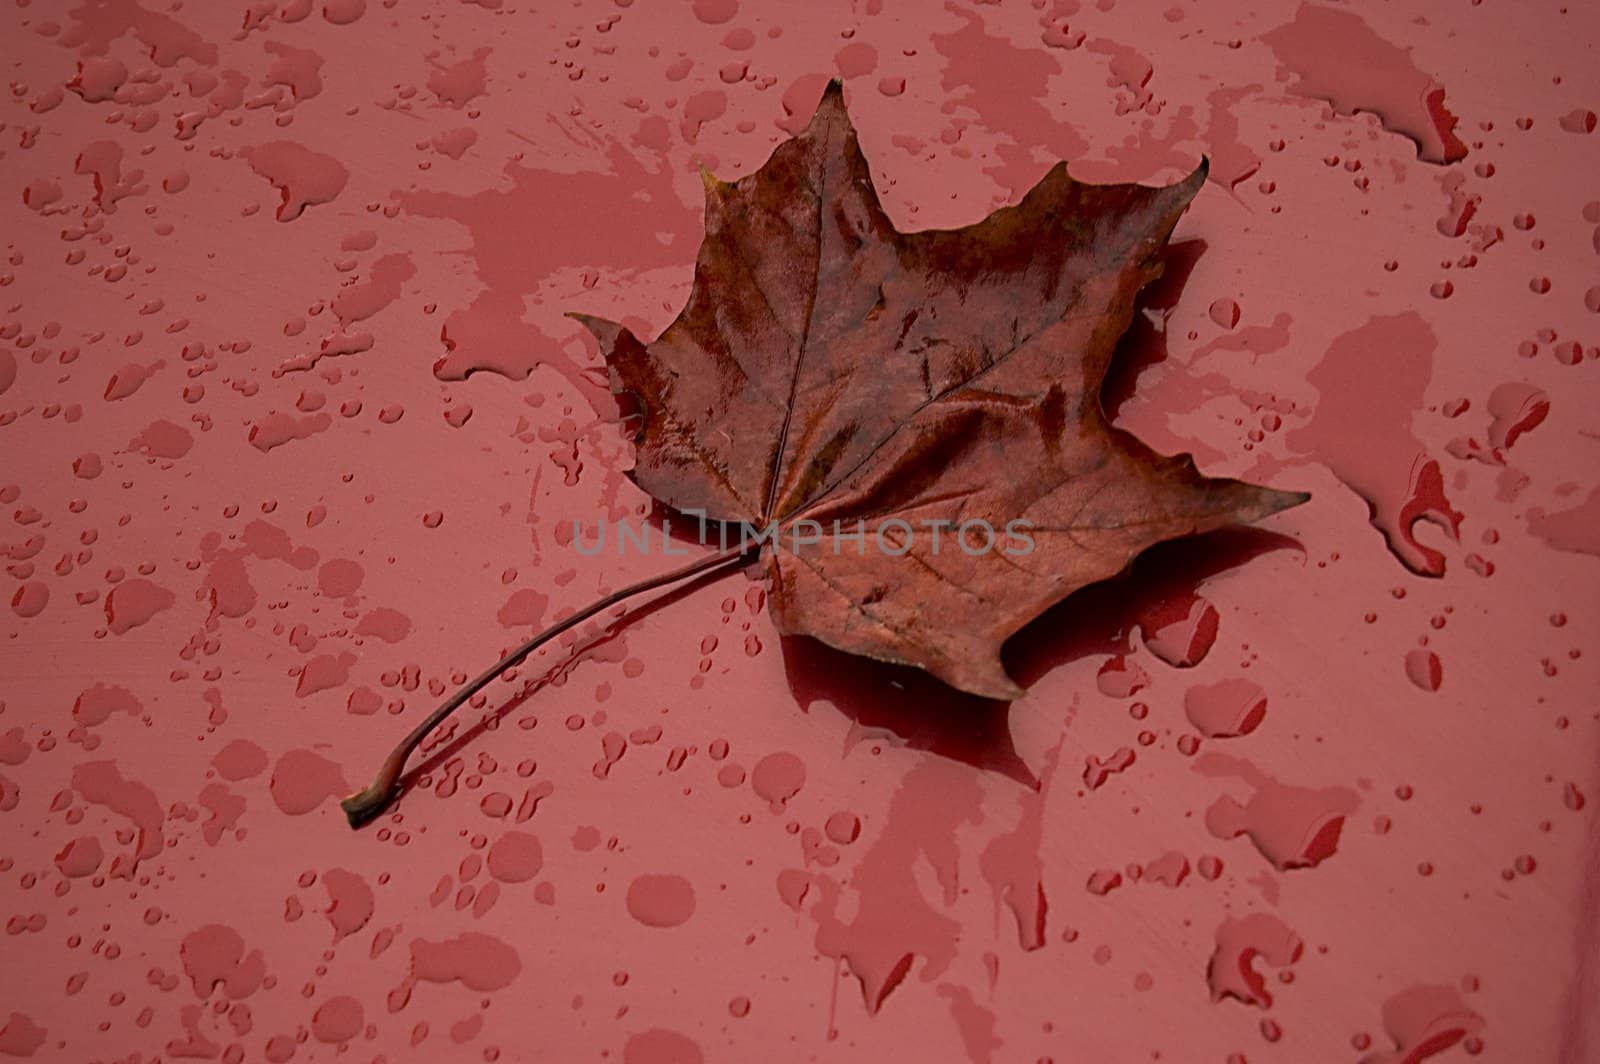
(805,336)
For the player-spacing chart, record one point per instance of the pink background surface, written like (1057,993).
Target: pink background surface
(1318,792)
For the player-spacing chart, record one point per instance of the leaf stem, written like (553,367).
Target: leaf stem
(366,804)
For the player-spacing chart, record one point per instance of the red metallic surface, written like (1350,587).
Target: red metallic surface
(293,437)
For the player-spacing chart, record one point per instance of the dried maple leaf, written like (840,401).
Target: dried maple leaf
(830,370)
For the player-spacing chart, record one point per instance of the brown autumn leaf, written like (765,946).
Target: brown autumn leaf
(830,368)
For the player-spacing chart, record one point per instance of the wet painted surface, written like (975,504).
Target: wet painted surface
(293,434)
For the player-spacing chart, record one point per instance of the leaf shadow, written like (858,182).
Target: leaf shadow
(904,706)
(1101,618)
(908,707)
(1145,343)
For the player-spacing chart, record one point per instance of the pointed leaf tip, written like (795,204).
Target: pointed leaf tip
(1191,185)
(832,102)
(1274,501)
(603,330)
(1182,192)
(1295,498)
